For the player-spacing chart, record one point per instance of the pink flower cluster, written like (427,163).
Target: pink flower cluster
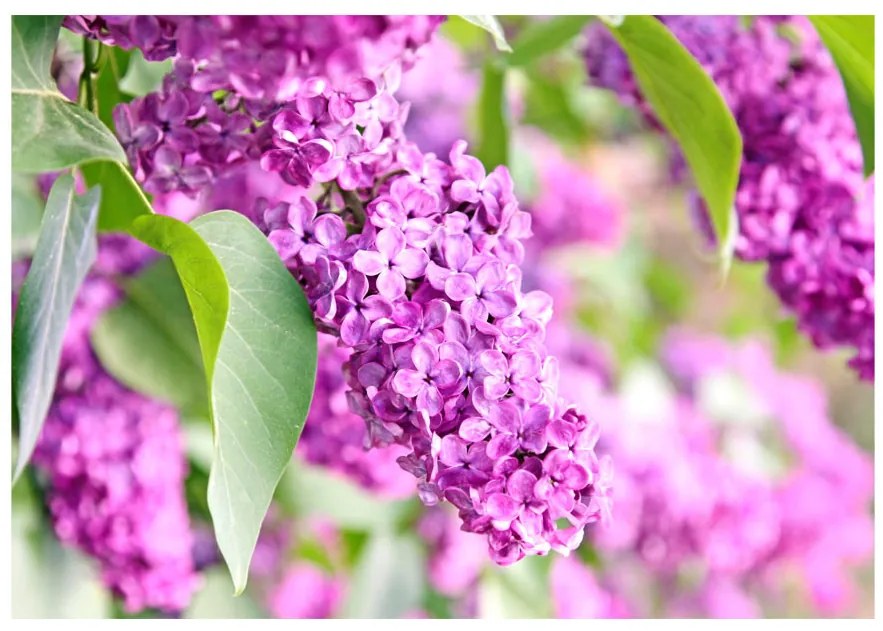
(737,500)
(801,203)
(448,356)
(113,462)
(232,73)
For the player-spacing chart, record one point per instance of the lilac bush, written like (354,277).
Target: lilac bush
(800,201)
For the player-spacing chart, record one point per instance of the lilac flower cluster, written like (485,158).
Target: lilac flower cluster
(232,73)
(800,198)
(740,501)
(421,280)
(336,438)
(114,462)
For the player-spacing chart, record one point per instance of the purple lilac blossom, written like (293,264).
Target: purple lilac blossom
(449,360)
(113,461)
(336,438)
(800,198)
(740,502)
(232,74)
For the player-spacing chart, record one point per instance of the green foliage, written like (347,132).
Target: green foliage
(688,104)
(65,249)
(142,76)
(148,342)
(27,211)
(261,382)
(114,63)
(310,491)
(850,39)
(542,37)
(49,133)
(490,24)
(122,200)
(389,579)
(512,592)
(493,124)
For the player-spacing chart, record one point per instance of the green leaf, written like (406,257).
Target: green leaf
(49,133)
(493,125)
(548,104)
(27,211)
(389,579)
(148,342)
(114,64)
(542,37)
(510,592)
(490,24)
(310,491)
(65,250)
(689,105)
(261,386)
(201,276)
(213,601)
(122,200)
(850,40)
(142,76)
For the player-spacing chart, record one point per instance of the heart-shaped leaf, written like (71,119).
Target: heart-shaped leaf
(49,133)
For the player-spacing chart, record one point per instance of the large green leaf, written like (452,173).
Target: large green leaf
(541,37)
(149,342)
(510,592)
(689,105)
(65,250)
(490,24)
(493,122)
(850,39)
(49,133)
(122,200)
(261,386)
(389,579)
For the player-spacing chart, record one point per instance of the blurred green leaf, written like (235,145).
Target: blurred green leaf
(548,105)
(261,383)
(490,24)
(389,579)
(214,601)
(541,37)
(122,199)
(148,342)
(49,133)
(516,591)
(65,250)
(850,40)
(50,580)
(311,491)
(142,76)
(493,121)
(689,105)
(27,212)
